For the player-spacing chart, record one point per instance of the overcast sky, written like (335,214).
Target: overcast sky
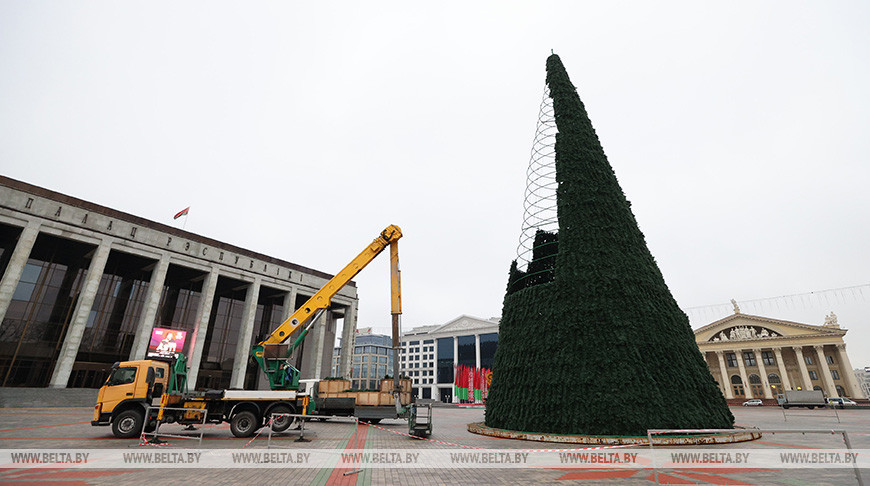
(737,130)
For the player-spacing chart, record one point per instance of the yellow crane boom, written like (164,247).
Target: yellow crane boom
(280,373)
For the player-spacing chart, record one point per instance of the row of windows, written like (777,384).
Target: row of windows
(416,365)
(415,343)
(368,371)
(814,375)
(766,358)
(372,359)
(420,373)
(809,359)
(365,384)
(426,349)
(773,378)
(371,350)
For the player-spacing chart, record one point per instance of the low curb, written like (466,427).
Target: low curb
(738,435)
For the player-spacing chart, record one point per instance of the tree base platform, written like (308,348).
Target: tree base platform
(701,438)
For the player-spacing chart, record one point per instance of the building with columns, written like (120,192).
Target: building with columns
(429,353)
(83,285)
(862,376)
(758,357)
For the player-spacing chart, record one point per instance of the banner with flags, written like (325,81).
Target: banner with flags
(471,383)
(181,213)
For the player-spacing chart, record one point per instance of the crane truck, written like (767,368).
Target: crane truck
(159,387)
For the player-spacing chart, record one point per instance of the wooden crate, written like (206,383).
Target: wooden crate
(387,384)
(385,399)
(338,386)
(367,398)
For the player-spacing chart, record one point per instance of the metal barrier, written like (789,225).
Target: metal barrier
(302,418)
(157,433)
(845,435)
(785,417)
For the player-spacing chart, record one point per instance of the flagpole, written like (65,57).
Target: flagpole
(185,219)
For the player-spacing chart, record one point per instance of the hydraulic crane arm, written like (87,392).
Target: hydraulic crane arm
(396,311)
(282,375)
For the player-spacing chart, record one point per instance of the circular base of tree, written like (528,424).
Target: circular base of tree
(737,435)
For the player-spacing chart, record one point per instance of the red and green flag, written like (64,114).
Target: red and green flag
(460,383)
(181,213)
(471,383)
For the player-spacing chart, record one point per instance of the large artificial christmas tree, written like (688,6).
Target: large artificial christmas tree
(592,342)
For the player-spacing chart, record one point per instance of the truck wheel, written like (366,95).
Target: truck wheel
(244,424)
(281,423)
(128,424)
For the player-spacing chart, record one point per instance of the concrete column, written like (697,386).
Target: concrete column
(246,333)
(477,350)
(802,364)
(746,388)
(347,335)
(783,373)
(200,330)
(290,302)
(827,379)
(765,383)
(320,344)
(149,309)
(852,386)
(310,356)
(16,265)
(726,380)
(76,329)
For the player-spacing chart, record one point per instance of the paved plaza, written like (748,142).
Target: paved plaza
(70,429)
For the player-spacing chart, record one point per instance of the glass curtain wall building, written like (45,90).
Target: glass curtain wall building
(372,360)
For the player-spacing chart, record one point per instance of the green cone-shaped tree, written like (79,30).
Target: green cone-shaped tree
(603,348)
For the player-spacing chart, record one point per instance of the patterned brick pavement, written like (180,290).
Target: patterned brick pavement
(69,428)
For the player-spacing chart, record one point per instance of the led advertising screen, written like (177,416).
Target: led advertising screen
(166,343)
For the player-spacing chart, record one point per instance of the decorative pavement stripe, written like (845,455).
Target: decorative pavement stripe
(668,479)
(323,475)
(74,474)
(599,475)
(46,483)
(43,426)
(356,442)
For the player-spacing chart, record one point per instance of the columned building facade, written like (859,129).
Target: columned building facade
(429,354)
(758,357)
(862,376)
(83,285)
